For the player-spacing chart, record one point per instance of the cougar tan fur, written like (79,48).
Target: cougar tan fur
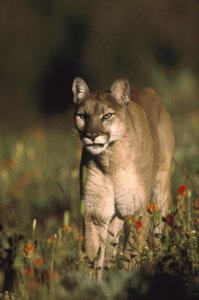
(128,145)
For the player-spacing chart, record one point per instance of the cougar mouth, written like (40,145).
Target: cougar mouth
(96,148)
(95,145)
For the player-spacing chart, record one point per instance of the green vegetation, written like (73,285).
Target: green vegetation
(40,238)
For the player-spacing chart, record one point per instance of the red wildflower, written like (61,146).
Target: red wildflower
(38,261)
(152,208)
(29,250)
(138,224)
(130,219)
(168,219)
(182,190)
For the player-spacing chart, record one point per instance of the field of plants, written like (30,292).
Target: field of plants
(40,215)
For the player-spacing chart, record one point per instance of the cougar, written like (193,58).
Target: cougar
(128,144)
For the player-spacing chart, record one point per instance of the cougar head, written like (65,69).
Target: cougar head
(100,117)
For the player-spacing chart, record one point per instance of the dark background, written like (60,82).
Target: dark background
(44,44)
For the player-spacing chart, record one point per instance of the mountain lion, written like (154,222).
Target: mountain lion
(128,145)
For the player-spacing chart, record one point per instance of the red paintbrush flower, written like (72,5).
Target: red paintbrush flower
(130,219)
(38,261)
(169,219)
(182,190)
(29,250)
(138,224)
(152,208)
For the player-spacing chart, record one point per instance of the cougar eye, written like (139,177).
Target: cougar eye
(83,116)
(107,116)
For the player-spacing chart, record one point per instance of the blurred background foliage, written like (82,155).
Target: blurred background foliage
(46,43)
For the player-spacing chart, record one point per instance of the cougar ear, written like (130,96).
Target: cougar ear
(80,89)
(120,90)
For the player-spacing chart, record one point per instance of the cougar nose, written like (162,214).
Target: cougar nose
(91,136)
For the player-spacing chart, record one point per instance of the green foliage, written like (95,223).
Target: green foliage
(40,237)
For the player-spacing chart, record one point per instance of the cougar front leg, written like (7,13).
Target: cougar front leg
(96,238)
(162,192)
(99,210)
(114,230)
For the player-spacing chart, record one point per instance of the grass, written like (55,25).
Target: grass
(40,239)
